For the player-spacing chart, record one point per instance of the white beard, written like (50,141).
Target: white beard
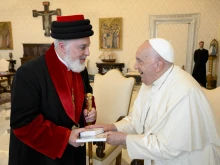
(75,66)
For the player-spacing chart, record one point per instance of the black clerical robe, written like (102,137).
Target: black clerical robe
(199,70)
(42,113)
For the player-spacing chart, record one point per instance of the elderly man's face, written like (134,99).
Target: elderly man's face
(76,52)
(146,63)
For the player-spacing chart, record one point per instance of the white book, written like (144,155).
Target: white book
(91,132)
(96,138)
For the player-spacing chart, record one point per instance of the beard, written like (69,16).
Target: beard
(74,65)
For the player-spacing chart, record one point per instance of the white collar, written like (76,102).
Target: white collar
(159,82)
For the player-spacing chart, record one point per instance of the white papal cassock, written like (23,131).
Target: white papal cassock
(172,123)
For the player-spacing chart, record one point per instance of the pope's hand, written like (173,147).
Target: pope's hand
(90,116)
(106,127)
(74,135)
(116,138)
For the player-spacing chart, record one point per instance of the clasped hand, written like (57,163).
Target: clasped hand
(89,117)
(113,136)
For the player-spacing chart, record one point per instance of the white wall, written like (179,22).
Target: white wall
(135,14)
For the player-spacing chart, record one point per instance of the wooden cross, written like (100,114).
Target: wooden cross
(46,15)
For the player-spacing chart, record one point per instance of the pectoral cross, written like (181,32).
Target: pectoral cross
(46,15)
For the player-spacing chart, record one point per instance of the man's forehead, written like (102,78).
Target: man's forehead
(81,41)
(141,56)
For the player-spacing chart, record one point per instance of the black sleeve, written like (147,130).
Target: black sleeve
(85,77)
(24,98)
(195,56)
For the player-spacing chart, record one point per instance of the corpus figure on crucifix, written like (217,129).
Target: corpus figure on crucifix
(46,15)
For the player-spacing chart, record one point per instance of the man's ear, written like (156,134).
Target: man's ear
(160,65)
(62,47)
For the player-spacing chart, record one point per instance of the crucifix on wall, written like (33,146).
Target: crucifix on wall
(46,16)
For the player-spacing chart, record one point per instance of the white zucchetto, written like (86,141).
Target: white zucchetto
(163,48)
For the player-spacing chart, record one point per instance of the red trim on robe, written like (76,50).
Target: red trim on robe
(75,82)
(60,82)
(79,95)
(44,136)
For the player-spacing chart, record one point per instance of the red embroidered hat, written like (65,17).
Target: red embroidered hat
(71,27)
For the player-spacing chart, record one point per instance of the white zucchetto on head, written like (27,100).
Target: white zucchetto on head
(163,48)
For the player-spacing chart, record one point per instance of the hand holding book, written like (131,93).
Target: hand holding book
(91,135)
